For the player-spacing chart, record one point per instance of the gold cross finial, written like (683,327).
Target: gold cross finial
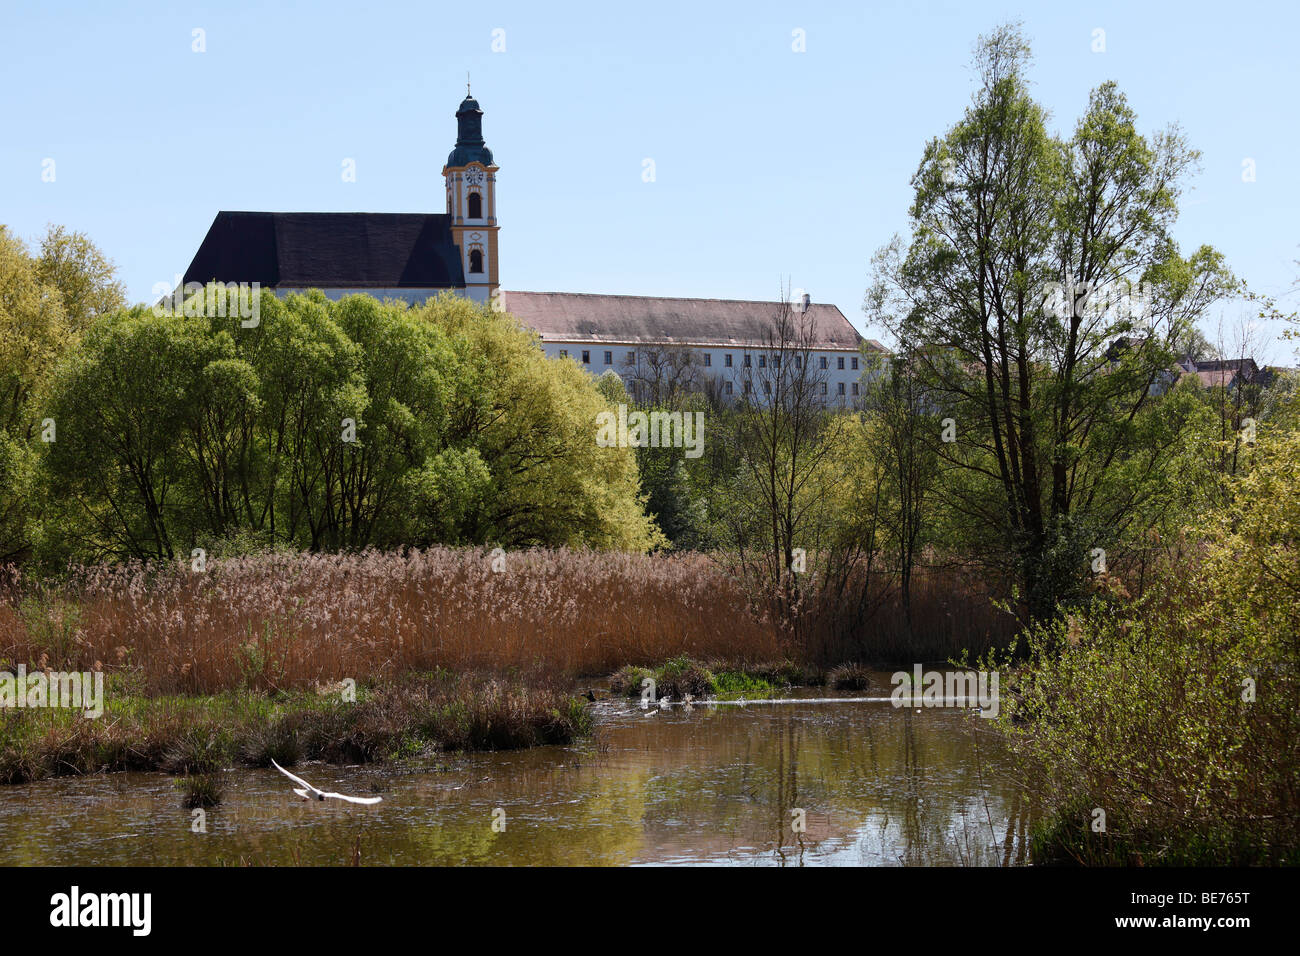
(467,82)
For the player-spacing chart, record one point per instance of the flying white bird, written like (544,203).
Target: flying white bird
(311,793)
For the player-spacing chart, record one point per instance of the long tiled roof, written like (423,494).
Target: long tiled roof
(330,250)
(631,319)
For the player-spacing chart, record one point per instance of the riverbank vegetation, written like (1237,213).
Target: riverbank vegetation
(287,621)
(199,735)
(1150,523)
(1177,715)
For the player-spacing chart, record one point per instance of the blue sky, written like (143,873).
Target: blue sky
(771,166)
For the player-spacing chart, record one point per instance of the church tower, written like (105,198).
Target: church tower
(472,204)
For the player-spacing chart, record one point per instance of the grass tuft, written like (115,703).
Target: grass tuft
(201,790)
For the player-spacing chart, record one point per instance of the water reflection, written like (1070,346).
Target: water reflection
(719,785)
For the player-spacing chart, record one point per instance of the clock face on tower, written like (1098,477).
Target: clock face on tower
(474,176)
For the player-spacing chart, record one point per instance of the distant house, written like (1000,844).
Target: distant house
(1224,373)
(1230,374)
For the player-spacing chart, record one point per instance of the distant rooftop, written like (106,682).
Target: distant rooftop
(633,319)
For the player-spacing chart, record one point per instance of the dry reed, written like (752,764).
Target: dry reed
(281,621)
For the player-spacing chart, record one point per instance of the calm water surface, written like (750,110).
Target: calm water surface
(716,785)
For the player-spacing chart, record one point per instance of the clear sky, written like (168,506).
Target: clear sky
(771,166)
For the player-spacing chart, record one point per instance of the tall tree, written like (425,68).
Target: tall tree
(1048,297)
(905,451)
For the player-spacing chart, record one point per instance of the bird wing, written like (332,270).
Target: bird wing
(302,793)
(363,800)
(293,778)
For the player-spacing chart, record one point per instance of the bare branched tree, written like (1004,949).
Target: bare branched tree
(664,374)
(782,437)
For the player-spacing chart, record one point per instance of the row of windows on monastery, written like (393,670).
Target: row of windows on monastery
(824,360)
(637,387)
(767,388)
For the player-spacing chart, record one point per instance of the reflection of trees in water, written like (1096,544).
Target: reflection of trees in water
(935,794)
(954,821)
(892,787)
(787,795)
(1017,825)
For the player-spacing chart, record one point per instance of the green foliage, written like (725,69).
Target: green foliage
(732,685)
(611,387)
(671,499)
(45,302)
(52,623)
(1176,713)
(1060,446)
(326,426)
(85,279)
(674,678)
(682,676)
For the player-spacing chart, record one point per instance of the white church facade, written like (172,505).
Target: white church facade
(413,256)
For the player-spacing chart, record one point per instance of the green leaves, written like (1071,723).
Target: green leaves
(1045,300)
(1177,712)
(328,425)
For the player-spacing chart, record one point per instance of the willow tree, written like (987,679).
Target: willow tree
(329,426)
(1048,300)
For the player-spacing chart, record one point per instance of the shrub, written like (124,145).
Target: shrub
(849,677)
(1176,713)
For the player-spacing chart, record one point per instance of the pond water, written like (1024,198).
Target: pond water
(877,785)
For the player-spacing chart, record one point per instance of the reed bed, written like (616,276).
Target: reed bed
(954,611)
(446,648)
(285,621)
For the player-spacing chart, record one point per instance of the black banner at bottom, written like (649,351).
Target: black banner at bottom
(638,907)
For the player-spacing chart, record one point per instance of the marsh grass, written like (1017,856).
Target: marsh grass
(849,677)
(276,622)
(200,791)
(201,736)
(720,679)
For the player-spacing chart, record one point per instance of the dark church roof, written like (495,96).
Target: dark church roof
(617,319)
(330,250)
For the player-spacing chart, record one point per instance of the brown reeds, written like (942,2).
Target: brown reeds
(952,611)
(283,621)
